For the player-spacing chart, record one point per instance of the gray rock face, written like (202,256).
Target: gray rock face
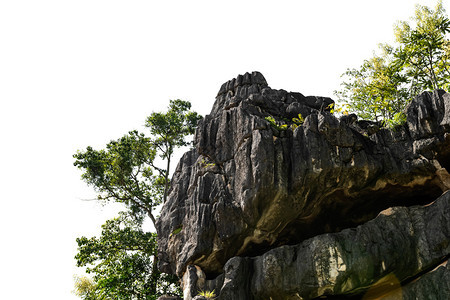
(402,254)
(400,243)
(432,285)
(260,179)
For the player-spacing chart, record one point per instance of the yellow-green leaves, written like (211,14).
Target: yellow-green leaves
(176,231)
(294,123)
(299,120)
(340,109)
(383,85)
(84,287)
(275,124)
(207,294)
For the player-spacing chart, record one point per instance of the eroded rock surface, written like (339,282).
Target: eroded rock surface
(254,183)
(397,245)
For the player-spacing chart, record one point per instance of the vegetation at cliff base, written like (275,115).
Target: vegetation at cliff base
(123,261)
(383,85)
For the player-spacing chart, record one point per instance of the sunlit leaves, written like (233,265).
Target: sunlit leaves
(84,287)
(376,90)
(423,47)
(383,85)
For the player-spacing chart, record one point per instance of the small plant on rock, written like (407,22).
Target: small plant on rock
(207,294)
(176,231)
(297,121)
(207,164)
(274,123)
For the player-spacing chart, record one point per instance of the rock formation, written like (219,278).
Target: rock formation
(282,200)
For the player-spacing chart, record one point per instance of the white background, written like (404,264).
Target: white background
(79,73)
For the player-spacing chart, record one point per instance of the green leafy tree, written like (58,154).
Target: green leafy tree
(424,48)
(170,130)
(126,172)
(376,91)
(383,85)
(122,263)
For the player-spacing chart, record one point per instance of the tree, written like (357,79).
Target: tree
(126,172)
(170,130)
(376,90)
(383,85)
(424,49)
(121,261)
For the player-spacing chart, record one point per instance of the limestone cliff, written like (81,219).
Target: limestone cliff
(269,207)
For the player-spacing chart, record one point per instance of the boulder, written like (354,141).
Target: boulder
(272,169)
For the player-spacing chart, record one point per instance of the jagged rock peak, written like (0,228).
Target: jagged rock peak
(241,80)
(253,89)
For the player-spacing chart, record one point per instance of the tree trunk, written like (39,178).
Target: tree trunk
(166,179)
(433,75)
(155,275)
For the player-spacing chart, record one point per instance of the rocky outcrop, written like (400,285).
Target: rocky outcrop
(273,170)
(398,245)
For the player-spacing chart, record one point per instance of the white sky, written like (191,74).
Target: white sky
(79,73)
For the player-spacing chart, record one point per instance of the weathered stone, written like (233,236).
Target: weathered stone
(194,280)
(251,186)
(432,285)
(236,284)
(401,241)
(403,251)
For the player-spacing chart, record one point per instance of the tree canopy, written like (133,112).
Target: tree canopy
(170,130)
(383,85)
(122,263)
(124,172)
(123,259)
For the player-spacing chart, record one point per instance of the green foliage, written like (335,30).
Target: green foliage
(170,130)
(207,164)
(340,109)
(424,51)
(207,294)
(124,172)
(397,119)
(376,90)
(297,121)
(122,262)
(383,85)
(176,231)
(273,123)
(123,259)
